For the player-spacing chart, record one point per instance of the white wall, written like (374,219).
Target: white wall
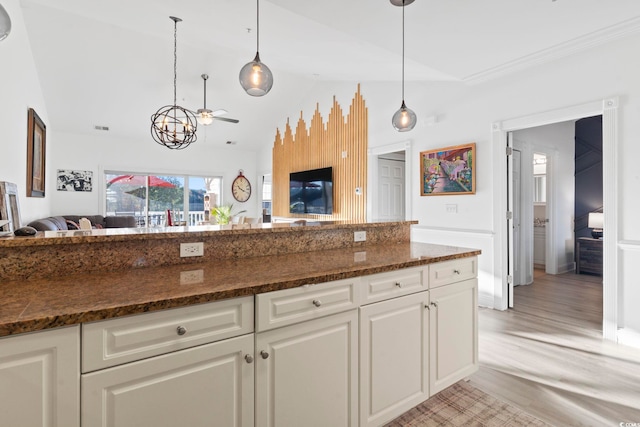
(19,91)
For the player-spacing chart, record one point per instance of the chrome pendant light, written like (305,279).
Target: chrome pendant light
(5,23)
(204,115)
(173,126)
(404,119)
(255,77)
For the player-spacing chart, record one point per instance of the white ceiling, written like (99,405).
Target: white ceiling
(111,62)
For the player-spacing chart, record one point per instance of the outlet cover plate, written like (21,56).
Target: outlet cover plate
(359,236)
(191,249)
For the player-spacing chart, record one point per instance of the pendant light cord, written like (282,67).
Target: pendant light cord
(257,25)
(205,93)
(403,51)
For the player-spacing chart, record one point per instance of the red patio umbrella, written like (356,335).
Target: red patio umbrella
(140,181)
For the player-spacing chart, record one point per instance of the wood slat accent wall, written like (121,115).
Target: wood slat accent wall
(322,146)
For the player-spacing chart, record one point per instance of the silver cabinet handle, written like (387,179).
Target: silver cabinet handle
(434,304)
(317,302)
(181,330)
(398,284)
(264,354)
(248,358)
(456,271)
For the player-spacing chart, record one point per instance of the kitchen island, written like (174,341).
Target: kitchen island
(266,336)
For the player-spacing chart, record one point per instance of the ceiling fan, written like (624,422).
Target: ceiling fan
(205,116)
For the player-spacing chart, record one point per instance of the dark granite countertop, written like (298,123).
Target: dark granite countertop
(38,304)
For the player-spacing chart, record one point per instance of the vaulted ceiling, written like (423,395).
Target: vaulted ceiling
(110,63)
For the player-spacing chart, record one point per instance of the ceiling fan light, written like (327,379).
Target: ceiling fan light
(204,116)
(5,23)
(404,119)
(256,78)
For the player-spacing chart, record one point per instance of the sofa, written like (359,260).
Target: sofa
(71,222)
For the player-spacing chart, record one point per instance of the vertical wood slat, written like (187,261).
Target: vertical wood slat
(321,145)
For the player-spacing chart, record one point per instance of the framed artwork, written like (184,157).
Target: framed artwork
(72,180)
(36,150)
(449,170)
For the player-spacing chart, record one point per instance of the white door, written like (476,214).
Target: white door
(39,379)
(307,373)
(212,384)
(453,334)
(391,191)
(394,366)
(511,251)
(516,180)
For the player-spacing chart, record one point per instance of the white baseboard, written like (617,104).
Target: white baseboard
(629,337)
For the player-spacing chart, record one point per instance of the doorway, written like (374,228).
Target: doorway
(503,245)
(389,198)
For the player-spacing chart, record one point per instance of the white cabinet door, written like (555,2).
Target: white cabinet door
(453,333)
(307,373)
(212,384)
(40,379)
(394,357)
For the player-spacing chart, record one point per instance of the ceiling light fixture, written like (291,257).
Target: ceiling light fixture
(204,115)
(404,119)
(255,77)
(5,23)
(173,126)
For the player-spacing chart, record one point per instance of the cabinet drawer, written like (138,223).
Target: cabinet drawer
(116,341)
(446,272)
(382,286)
(288,306)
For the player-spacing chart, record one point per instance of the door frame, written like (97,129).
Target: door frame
(609,109)
(372,178)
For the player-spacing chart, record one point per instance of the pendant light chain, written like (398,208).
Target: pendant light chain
(175,61)
(257,25)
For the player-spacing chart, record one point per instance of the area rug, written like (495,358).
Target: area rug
(464,405)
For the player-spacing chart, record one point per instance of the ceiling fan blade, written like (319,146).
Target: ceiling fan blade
(225,119)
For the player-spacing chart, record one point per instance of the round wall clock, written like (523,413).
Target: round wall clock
(241,188)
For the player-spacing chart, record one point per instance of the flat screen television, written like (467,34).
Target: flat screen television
(311,192)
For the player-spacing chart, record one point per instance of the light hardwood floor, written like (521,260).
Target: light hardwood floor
(547,356)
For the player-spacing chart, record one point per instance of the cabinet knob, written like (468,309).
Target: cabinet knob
(317,302)
(456,271)
(264,354)
(248,358)
(434,304)
(398,284)
(181,330)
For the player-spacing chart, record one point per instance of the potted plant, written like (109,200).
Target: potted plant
(224,213)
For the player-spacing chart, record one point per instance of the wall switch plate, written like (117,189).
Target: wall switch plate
(359,236)
(452,209)
(191,249)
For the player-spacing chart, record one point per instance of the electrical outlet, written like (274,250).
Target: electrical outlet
(191,277)
(191,249)
(359,236)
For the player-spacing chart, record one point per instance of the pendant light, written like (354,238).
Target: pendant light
(204,115)
(173,126)
(404,119)
(255,77)
(5,23)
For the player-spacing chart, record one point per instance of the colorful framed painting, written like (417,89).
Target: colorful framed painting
(449,170)
(36,150)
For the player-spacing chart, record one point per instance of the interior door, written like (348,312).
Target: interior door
(518,253)
(391,189)
(510,222)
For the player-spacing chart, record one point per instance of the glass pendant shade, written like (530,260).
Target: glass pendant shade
(404,119)
(256,78)
(5,23)
(173,126)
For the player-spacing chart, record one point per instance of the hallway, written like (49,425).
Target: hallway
(547,355)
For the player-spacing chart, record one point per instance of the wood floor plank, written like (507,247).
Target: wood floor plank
(547,355)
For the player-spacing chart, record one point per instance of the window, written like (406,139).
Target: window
(159,200)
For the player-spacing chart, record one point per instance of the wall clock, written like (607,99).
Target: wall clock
(241,188)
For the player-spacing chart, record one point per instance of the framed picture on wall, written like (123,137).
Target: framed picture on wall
(36,150)
(449,170)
